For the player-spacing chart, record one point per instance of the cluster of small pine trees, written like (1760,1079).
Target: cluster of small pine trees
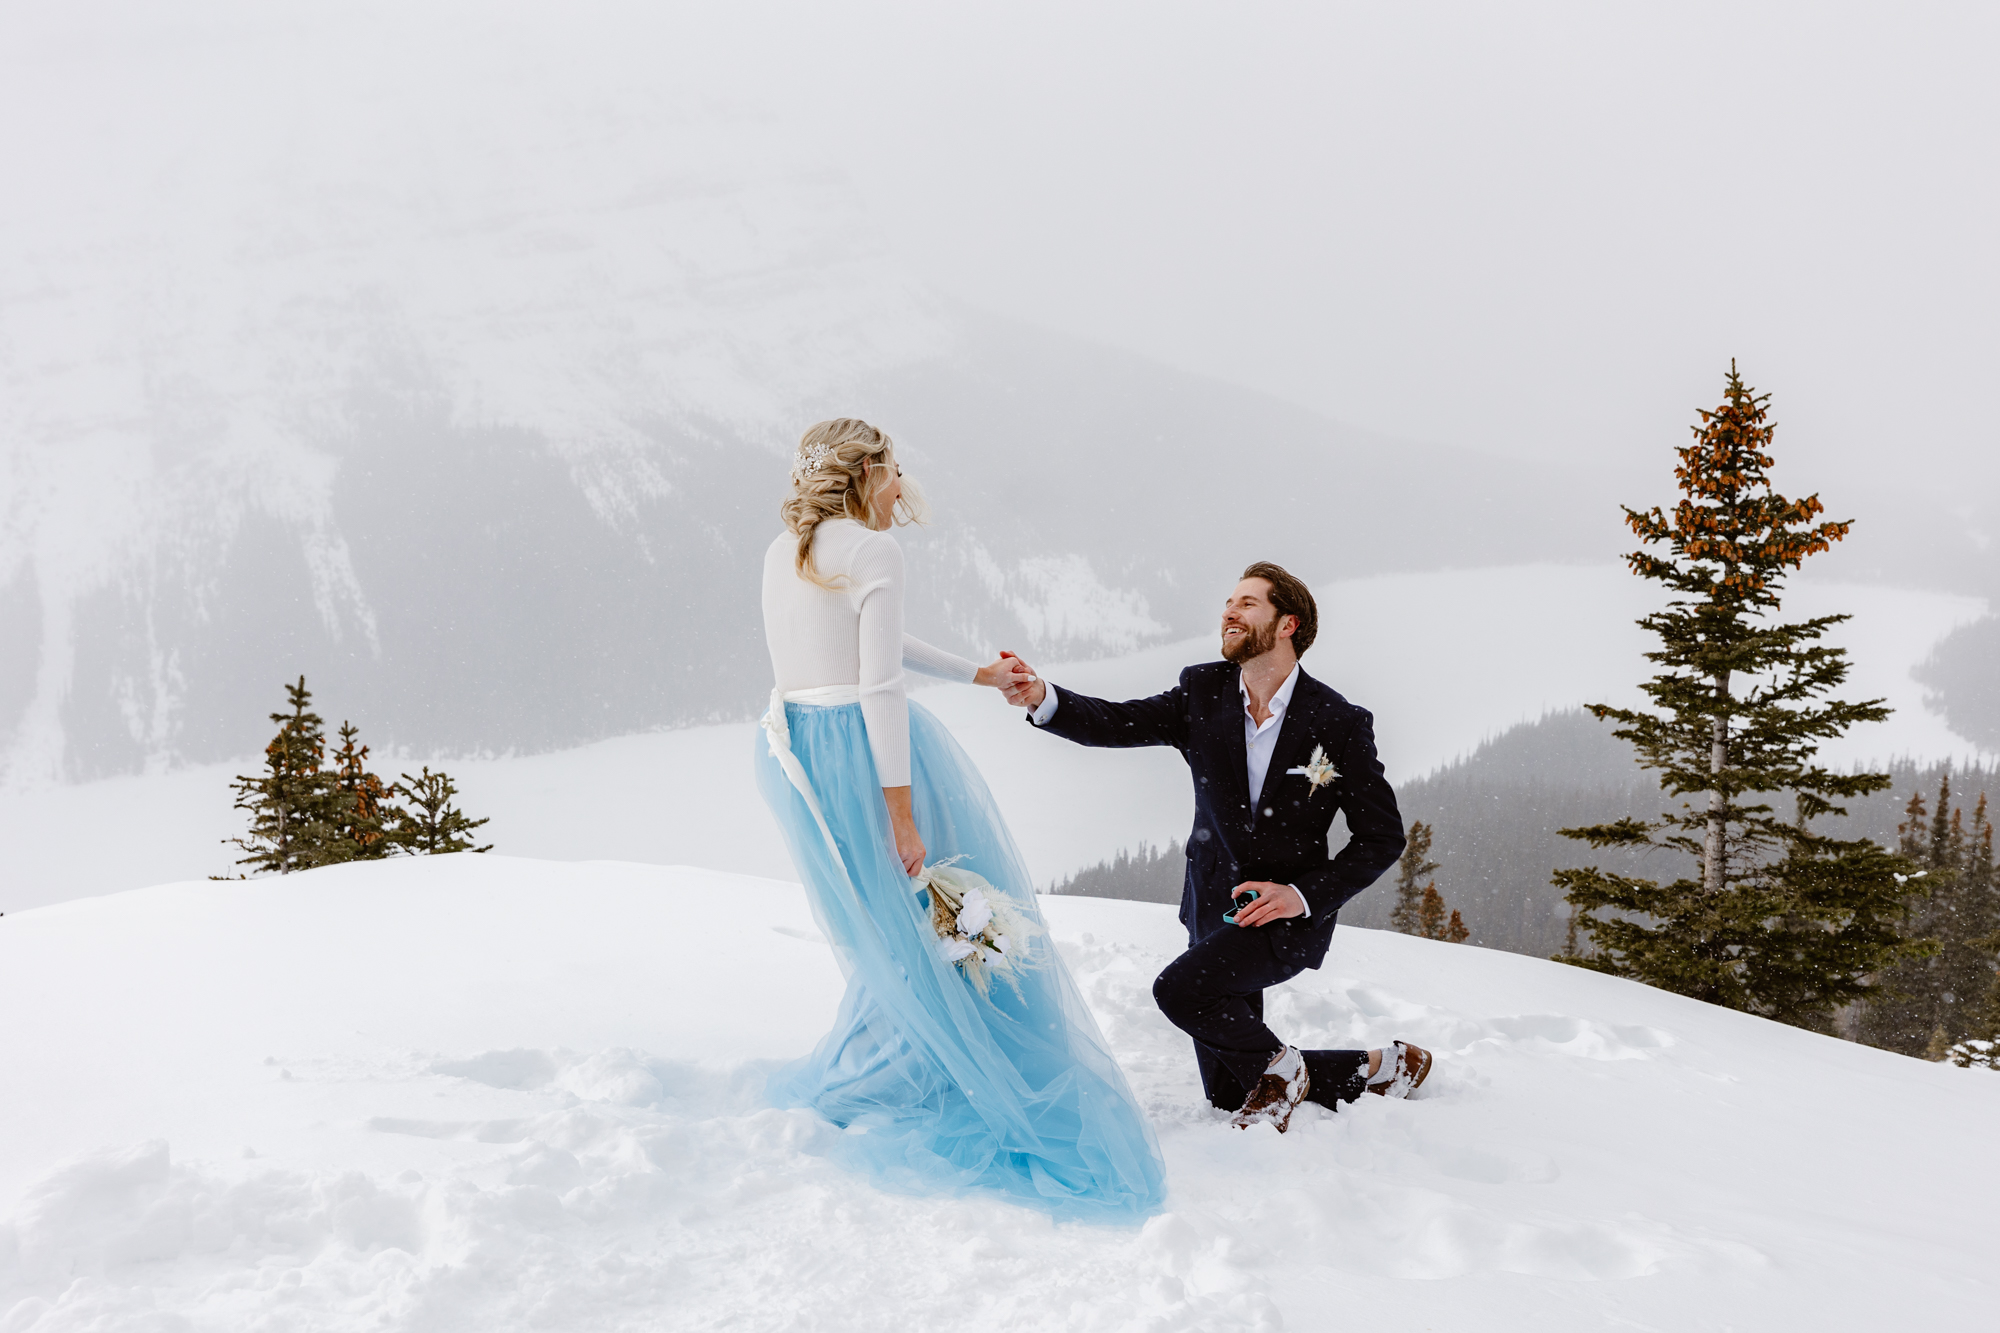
(1149,875)
(1421,910)
(306,812)
(1945,991)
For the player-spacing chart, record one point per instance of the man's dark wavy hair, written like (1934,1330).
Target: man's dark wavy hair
(1289,597)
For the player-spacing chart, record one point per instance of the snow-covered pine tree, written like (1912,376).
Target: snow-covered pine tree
(1779,920)
(1410,871)
(430,825)
(1455,930)
(294,804)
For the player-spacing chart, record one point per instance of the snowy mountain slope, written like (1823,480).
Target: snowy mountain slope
(471,588)
(460,379)
(493,1093)
(684,796)
(382,385)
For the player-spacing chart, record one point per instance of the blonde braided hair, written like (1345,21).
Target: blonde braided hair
(840,468)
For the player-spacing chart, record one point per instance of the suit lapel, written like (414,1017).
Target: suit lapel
(1233,779)
(1295,735)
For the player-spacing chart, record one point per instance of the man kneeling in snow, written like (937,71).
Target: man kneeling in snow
(1274,754)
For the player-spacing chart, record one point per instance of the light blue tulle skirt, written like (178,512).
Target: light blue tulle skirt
(940,1088)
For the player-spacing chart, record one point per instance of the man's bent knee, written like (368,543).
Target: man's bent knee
(1176,990)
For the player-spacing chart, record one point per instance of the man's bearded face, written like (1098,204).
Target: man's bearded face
(1244,637)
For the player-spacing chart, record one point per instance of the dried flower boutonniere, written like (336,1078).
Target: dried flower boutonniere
(1319,770)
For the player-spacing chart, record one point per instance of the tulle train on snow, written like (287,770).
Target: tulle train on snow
(939,1087)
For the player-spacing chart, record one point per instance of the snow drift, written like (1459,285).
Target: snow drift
(478,1092)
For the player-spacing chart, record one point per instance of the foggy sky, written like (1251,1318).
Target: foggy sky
(1536,230)
(449,352)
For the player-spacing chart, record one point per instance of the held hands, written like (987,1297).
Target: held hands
(1016,681)
(1274,903)
(1007,671)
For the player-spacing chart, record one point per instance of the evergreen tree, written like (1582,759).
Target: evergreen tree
(366,809)
(1410,871)
(430,825)
(1431,922)
(1778,919)
(1932,1000)
(1420,908)
(1430,914)
(1910,833)
(294,804)
(1947,829)
(1982,1018)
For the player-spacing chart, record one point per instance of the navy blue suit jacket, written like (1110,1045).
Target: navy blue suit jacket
(1286,841)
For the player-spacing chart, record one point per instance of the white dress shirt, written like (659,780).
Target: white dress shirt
(1259,740)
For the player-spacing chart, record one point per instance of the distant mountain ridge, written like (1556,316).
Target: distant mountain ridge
(469,588)
(1496,815)
(480,419)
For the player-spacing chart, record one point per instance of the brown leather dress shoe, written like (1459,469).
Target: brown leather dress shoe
(1277,1094)
(1412,1066)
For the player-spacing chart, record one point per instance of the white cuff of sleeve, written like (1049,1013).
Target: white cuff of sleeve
(1302,899)
(1040,717)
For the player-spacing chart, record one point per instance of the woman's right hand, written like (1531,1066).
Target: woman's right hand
(1007,674)
(1015,679)
(903,824)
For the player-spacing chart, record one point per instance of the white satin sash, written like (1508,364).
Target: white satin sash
(778,733)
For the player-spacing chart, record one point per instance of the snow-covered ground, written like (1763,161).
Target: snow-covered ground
(1536,638)
(489,1093)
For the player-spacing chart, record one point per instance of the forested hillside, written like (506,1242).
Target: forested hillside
(1496,813)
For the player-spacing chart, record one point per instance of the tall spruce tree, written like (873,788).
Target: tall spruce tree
(1407,915)
(1777,919)
(294,803)
(431,825)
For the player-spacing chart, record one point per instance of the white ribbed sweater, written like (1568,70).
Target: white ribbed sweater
(852,635)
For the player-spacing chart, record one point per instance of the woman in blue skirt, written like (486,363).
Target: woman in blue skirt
(963,1057)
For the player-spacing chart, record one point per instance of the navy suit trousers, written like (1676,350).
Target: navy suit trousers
(1215,993)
